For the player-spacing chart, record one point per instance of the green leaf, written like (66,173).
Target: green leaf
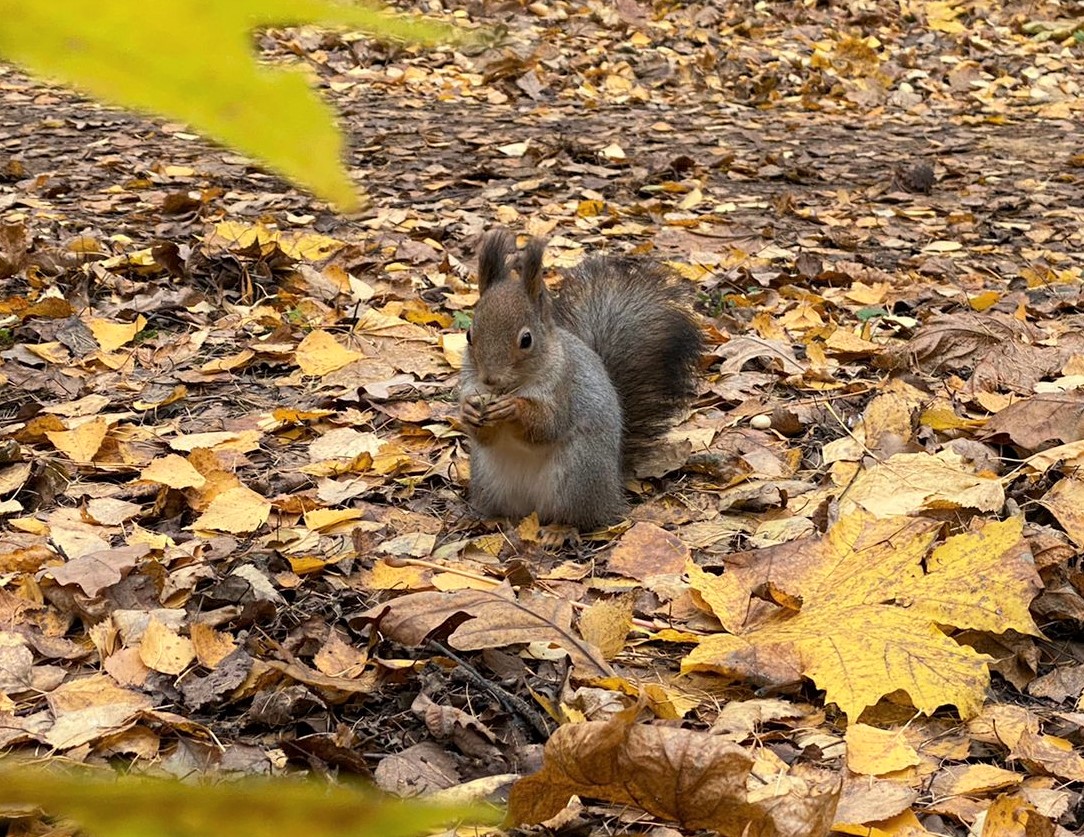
(107,805)
(193,60)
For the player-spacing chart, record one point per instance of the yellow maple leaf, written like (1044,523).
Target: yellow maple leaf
(873,599)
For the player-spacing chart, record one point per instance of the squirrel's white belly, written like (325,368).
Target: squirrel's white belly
(521,475)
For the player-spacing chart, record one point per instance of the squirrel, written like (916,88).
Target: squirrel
(560,394)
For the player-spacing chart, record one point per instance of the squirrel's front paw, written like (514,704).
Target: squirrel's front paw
(505,408)
(473,410)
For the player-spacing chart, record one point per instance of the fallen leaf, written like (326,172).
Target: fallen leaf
(496,619)
(909,483)
(174,471)
(235,510)
(162,649)
(685,776)
(646,550)
(877,751)
(873,600)
(606,624)
(81,444)
(320,353)
(111,336)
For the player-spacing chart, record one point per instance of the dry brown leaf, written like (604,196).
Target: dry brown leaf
(1032,423)
(496,619)
(739,719)
(108,511)
(961,341)
(16,662)
(774,353)
(95,571)
(646,550)
(333,689)
(88,708)
(1066,502)
(73,536)
(685,776)
(1049,754)
(867,800)
(338,658)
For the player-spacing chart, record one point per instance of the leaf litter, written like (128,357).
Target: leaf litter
(849,593)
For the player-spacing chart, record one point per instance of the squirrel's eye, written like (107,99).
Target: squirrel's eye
(525,339)
(468,336)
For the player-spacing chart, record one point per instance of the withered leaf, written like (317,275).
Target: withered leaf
(689,777)
(494,618)
(1031,424)
(873,596)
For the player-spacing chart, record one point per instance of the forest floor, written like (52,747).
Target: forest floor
(233,534)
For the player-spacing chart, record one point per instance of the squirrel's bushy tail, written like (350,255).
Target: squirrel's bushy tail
(636,315)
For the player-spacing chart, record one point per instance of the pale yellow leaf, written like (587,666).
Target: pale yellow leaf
(163,649)
(81,444)
(875,751)
(320,353)
(110,335)
(174,471)
(235,510)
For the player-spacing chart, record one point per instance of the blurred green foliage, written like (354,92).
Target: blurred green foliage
(106,804)
(194,61)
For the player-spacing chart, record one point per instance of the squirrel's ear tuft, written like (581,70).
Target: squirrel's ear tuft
(530,268)
(491,259)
